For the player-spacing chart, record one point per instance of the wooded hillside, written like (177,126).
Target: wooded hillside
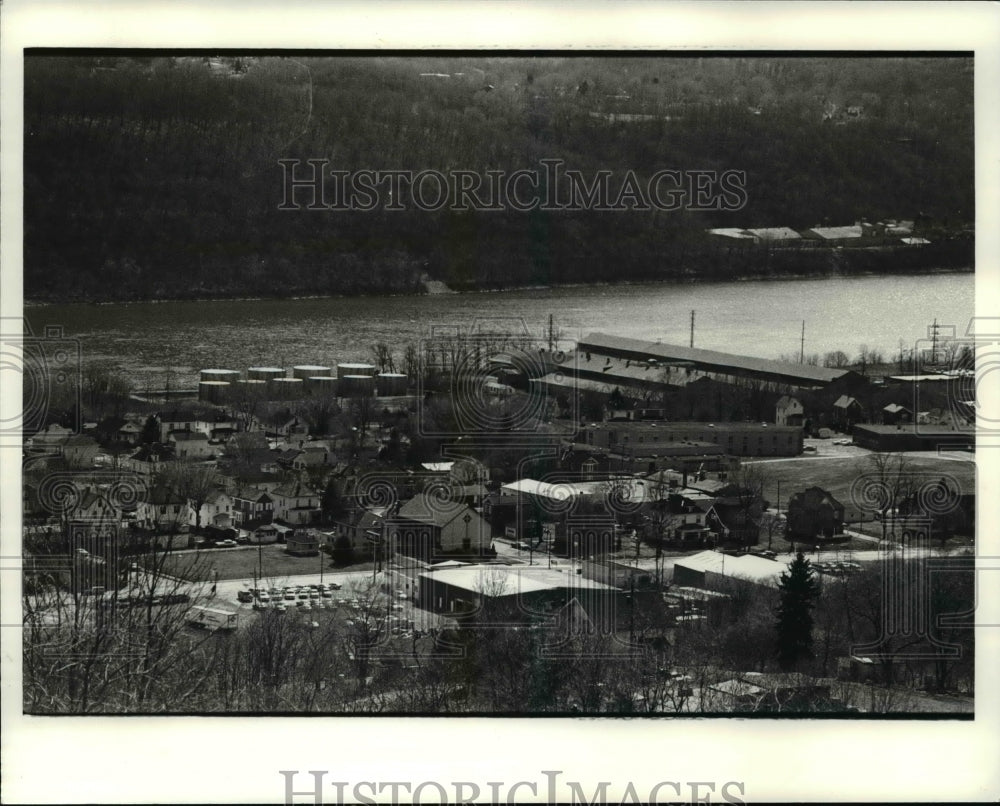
(159,177)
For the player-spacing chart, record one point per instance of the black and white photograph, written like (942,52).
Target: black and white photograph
(635,389)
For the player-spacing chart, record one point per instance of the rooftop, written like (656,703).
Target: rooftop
(668,353)
(506,581)
(744,566)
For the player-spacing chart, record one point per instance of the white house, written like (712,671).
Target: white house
(191,445)
(296,503)
(788,411)
(217,510)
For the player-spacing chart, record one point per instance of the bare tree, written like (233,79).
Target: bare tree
(192,482)
(383,357)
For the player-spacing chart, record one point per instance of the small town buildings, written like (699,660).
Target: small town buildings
(79,450)
(912,437)
(634,363)
(427,529)
(713,569)
(358,531)
(192,445)
(789,411)
(148,460)
(311,457)
(49,439)
(835,236)
(302,543)
(814,513)
(252,505)
(520,593)
(265,533)
(616,574)
(162,510)
(216,510)
(846,412)
(296,503)
(895,413)
(734,439)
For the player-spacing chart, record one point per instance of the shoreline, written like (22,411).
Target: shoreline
(35,303)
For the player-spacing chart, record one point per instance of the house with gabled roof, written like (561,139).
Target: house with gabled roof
(162,510)
(296,503)
(216,510)
(427,528)
(191,445)
(846,412)
(148,459)
(252,504)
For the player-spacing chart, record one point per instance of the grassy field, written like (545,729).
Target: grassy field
(836,475)
(243,563)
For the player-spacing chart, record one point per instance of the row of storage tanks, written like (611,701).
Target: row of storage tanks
(307,380)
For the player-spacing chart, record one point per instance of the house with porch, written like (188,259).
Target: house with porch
(296,503)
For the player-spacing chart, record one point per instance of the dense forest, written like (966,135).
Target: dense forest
(159,177)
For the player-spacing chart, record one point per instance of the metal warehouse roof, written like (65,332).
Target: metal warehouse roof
(744,566)
(596,342)
(831,233)
(775,233)
(505,581)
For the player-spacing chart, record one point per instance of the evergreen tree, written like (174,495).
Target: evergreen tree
(798,595)
(150,431)
(332,502)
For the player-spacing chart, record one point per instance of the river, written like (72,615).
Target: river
(172,340)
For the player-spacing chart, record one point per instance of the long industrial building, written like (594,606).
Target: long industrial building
(735,439)
(618,361)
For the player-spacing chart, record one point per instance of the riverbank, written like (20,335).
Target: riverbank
(681,280)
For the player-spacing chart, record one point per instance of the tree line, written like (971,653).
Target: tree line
(157,177)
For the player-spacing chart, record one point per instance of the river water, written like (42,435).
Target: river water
(172,340)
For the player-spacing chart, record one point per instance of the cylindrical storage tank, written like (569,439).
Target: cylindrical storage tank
(391,384)
(265,373)
(355,369)
(356,386)
(213,391)
(321,386)
(285,388)
(251,386)
(227,375)
(304,371)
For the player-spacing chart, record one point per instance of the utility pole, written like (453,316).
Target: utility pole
(802,344)
(692,329)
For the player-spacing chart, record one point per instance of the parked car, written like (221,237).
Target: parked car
(289,597)
(227,543)
(244,596)
(264,596)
